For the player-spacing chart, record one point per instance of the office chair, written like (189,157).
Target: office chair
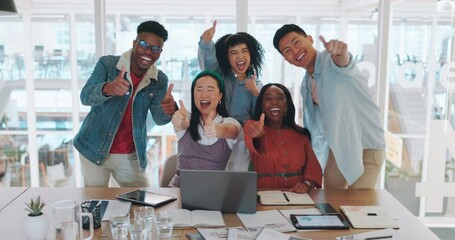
(168,171)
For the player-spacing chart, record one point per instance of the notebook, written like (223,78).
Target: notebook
(225,191)
(369,217)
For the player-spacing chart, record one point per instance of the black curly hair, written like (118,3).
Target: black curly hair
(153,27)
(254,47)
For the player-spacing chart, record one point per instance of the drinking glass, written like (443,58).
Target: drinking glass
(164,226)
(139,230)
(145,214)
(120,222)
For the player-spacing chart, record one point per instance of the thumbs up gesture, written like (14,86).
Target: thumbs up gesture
(118,87)
(179,119)
(168,103)
(338,49)
(207,36)
(210,126)
(256,128)
(250,84)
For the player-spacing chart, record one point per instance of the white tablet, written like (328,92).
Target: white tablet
(146,198)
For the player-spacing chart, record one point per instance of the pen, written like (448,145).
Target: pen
(378,237)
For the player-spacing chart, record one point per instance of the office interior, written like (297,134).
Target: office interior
(405,48)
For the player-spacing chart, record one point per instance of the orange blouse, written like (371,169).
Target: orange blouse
(283,151)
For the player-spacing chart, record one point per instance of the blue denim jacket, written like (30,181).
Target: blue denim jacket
(99,128)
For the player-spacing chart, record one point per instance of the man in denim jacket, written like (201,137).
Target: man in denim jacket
(121,91)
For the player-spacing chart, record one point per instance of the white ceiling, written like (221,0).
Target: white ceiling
(351,9)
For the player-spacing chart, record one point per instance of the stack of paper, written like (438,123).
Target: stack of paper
(272,219)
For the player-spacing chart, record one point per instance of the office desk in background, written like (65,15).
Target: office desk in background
(12,215)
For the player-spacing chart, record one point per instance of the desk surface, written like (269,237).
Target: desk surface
(7,195)
(12,215)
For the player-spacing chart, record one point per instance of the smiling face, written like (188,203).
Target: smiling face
(298,50)
(143,57)
(274,105)
(239,59)
(207,95)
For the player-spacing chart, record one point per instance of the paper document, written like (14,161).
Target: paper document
(270,234)
(184,218)
(269,219)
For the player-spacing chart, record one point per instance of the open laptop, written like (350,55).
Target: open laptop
(225,191)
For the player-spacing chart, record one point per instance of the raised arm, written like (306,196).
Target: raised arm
(206,51)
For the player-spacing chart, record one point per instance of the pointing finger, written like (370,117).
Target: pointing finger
(214,24)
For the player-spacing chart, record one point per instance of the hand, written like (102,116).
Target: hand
(250,84)
(256,129)
(118,87)
(179,119)
(338,50)
(300,187)
(334,46)
(168,103)
(207,36)
(210,126)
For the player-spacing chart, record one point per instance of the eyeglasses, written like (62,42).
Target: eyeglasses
(155,49)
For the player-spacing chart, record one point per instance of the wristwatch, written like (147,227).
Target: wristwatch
(310,184)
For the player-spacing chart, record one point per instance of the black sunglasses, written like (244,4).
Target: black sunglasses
(155,49)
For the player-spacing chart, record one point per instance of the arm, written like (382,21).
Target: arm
(312,171)
(206,51)
(92,92)
(227,130)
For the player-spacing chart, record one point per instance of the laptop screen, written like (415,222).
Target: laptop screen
(225,191)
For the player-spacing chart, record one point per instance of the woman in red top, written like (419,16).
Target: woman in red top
(281,150)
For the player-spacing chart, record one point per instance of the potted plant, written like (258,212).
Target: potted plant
(36,223)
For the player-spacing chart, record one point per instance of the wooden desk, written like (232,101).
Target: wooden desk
(12,214)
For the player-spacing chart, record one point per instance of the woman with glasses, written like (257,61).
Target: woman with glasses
(121,91)
(238,58)
(206,135)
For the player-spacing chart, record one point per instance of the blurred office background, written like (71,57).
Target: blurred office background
(405,48)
